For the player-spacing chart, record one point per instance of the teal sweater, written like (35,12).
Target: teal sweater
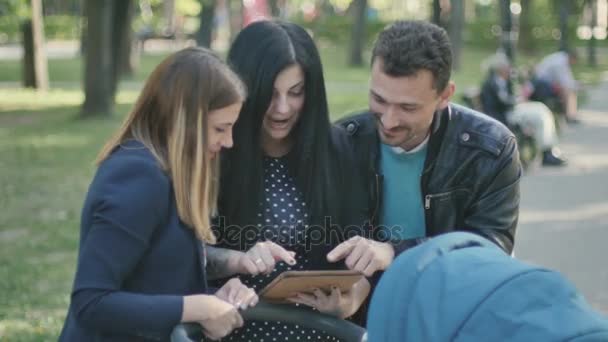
(402,214)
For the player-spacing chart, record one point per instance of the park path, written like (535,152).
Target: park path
(564,211)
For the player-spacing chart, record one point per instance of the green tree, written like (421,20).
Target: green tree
(507,29)
(35,69)
(205,30)
(526,39)
(591,45)
(455,28)
(108,24)
(357,36)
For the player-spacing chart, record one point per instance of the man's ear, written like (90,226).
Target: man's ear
(446,96)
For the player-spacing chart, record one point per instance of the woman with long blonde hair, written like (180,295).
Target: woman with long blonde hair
(145,221)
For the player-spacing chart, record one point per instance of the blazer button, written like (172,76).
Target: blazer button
(465,137)
(350,128)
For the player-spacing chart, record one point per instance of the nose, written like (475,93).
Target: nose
(281,105)
(227,142)
(389,118)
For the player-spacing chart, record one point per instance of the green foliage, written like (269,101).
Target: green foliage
(337,28)
(55,27)
(484,29)
(484,32)
(62,27)
(10,28)
(187,7)
(14,8)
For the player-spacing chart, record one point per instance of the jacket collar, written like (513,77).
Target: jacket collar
(438,129)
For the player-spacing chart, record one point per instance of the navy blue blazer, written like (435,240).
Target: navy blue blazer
(136,259)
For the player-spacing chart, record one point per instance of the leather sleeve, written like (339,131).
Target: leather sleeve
(495,212)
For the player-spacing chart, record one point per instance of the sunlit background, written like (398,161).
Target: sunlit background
(50,131)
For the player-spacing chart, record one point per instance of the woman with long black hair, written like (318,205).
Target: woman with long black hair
(289,188)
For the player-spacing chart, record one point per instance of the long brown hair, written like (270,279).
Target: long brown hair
(170,119)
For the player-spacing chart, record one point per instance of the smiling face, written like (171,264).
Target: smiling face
(404,106)
(219,128)
(284,110)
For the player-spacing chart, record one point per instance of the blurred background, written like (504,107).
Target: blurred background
(71,69)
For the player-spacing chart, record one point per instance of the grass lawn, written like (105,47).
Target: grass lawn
(46,166)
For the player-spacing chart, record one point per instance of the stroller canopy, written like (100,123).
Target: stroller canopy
(461,287)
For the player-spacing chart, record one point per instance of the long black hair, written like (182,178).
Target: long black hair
(259,53)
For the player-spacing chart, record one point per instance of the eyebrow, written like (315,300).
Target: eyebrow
(297,84)
(376,94)
(405,104)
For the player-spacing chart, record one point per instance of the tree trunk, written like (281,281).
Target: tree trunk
(526,40)
(591,47)
(83,30)
(98,75)
(455,28)
(436,12)
(507,29)
(122,39)
(357,37)
(169,16)
(235,14)
(35,67)
(275,10)
(205,30)
(564,13)
(129,57)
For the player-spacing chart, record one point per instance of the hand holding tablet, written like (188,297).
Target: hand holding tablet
(290,283)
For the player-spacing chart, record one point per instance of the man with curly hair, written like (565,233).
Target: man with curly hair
(432,166)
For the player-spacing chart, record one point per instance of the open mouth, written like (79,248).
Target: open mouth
(278,124)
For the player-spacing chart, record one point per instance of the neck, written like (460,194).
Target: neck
(414,142)
(276,148)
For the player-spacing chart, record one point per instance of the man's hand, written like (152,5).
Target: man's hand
(336,303)
(261,258)
(363,255)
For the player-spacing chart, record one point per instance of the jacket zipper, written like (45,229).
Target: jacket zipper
(377,199)
(427,198)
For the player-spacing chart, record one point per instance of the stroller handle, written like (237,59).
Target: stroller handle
(342,329)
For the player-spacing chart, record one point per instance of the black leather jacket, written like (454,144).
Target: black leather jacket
(470,180)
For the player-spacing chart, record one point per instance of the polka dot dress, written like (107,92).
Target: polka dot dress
(283,218)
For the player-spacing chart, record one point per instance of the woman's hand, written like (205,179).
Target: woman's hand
(217,317)
(336,303)
(237,294)
(261,258)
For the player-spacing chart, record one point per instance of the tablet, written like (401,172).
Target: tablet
(288,283)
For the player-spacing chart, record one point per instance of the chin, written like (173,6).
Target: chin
(391,141)
(278,135)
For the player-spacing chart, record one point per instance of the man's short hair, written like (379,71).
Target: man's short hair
(407,46)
